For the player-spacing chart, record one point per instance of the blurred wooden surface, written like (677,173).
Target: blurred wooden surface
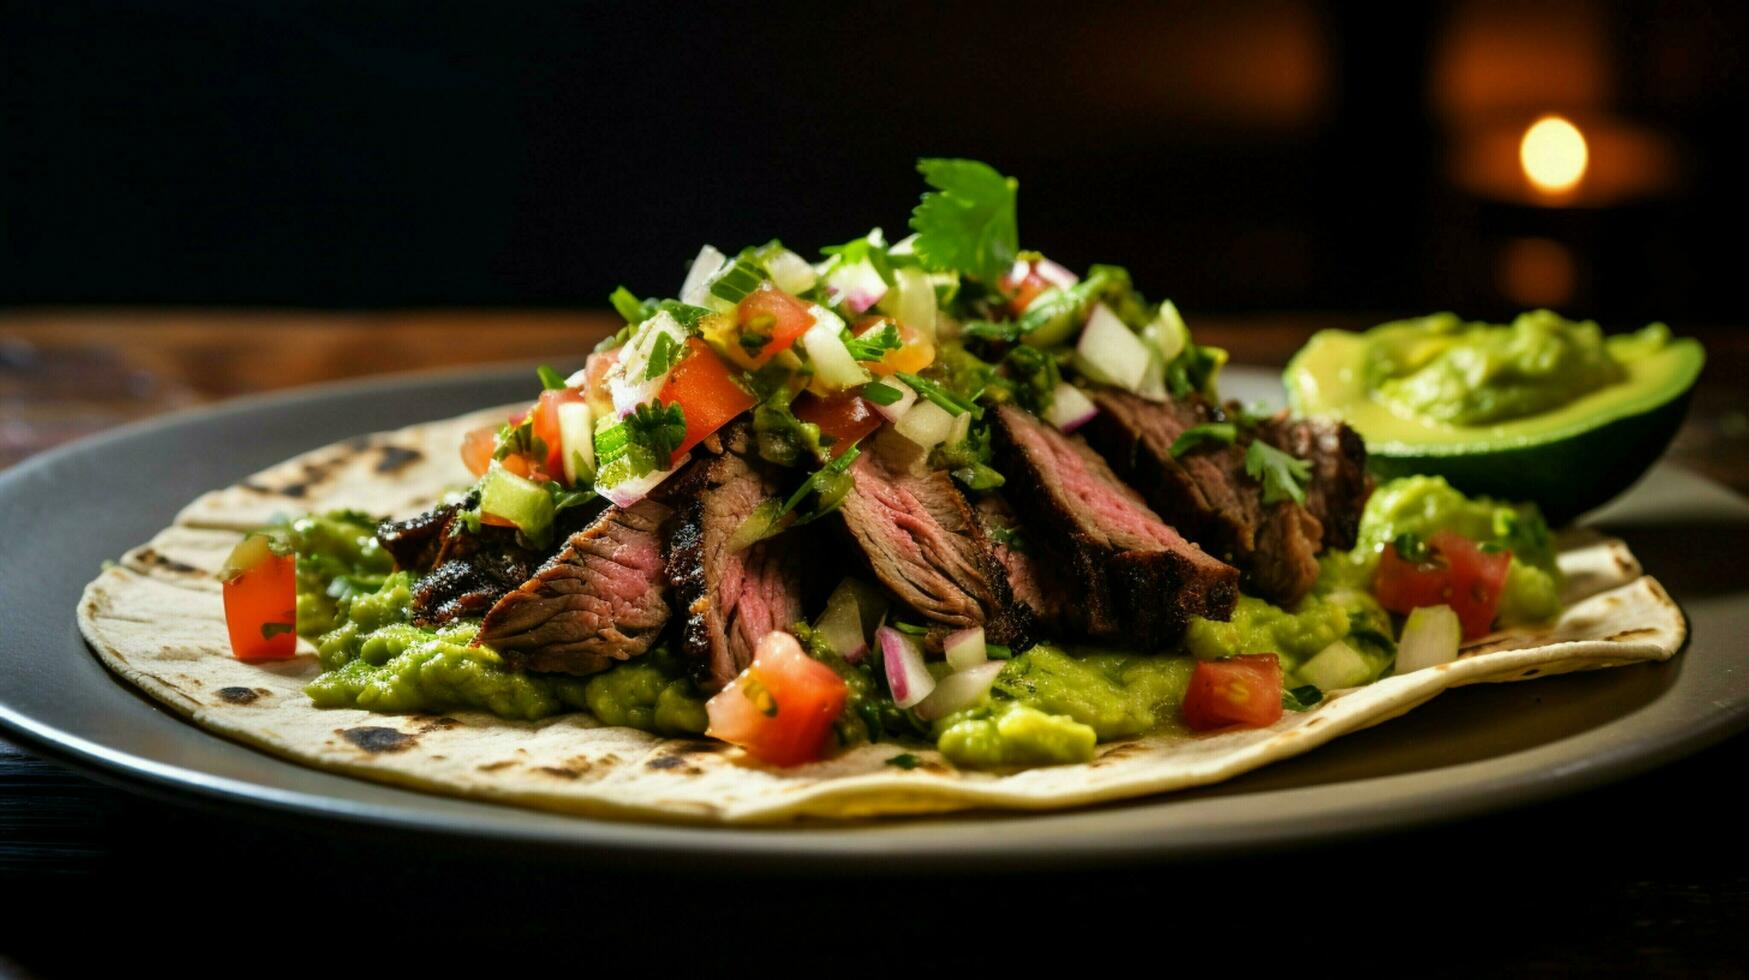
(1644,877)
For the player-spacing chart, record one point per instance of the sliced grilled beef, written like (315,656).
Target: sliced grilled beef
(1029,580)
(1340,484)
(729,599)
(601,599)
(415,541)
(1206,493)
(923,542)
(1136,579)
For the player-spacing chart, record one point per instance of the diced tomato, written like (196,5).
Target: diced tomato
(1402,585)
(846,417)
(1477,579)
(772,313)
(914,354)
(1463,576)
(261,601)
(546,425)
(781,708)
(477,448)
(1021,293)
(708,394)
(1243,691)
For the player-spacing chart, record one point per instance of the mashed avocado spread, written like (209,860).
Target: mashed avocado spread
(1441,369)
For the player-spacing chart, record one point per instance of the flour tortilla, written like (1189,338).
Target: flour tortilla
(157,619)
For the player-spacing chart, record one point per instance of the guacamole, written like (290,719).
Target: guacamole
(1334,612)
(1442,369)
(1050,707)
(338,557)
(1421,505)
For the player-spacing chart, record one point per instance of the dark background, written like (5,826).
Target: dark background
(1256,155)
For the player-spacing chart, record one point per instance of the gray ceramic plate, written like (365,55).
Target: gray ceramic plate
(1470,751)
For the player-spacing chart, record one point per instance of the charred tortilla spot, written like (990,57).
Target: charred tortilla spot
(429,723)
(149,556)
(395,458)
(495,766)
(1531,672)
(1630,634)
(558,771)
(376,739)
(665,762)
(238,695)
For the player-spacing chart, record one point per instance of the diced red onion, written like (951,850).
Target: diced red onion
(628,492)
(965,648)
(856,286)
(960,690)
(907,677)
(1070,409)
(1055,274)
(897,410)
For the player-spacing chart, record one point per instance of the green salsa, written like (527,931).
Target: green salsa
(338,557)
(1441,369)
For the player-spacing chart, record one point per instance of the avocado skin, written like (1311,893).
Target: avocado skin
(1565,477)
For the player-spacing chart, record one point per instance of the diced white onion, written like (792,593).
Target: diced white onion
(576,437)
(907,677)
(626,380)
(696,290)
(960,690)
(1116,354)
(1431,636)
(926,424)
(1335,667)
(915,306)
(791,272)
(962,427)
(897,410)
(834,367)
(1070,409)
(1170,333)
(841,624)
(628,492)
(965,648)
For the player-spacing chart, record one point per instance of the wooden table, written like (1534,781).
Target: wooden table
(1648,876)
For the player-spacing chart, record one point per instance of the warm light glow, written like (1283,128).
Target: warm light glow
(1554,155)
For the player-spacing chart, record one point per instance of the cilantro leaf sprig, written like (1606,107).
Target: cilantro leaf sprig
(874,345)
(1284,477)
(968,223)
(1207,434)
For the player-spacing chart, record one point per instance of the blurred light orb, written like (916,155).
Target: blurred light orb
(1554,155)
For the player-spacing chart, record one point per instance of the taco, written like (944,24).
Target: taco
(926,526)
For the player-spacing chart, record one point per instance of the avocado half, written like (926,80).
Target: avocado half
(1567,460)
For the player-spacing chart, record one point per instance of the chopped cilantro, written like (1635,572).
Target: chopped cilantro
(968,223)
(1283,476)
(881,394)
(1301,698)
(874,346)
(904,760)
(271,630)
(1410,547)
(664,352)
(947,400)
(549,378)
(1210,433)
